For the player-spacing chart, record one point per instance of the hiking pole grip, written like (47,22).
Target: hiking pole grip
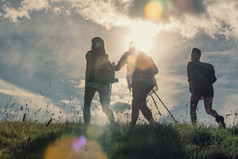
(165,107)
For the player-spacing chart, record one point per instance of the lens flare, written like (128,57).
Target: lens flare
(71,147)
(131,60)
(79,143)
(153,10)
(168,4)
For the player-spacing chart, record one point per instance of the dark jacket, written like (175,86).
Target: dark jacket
(98,69)
(201,86)
(140,67)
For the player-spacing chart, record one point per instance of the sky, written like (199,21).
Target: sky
(43,45)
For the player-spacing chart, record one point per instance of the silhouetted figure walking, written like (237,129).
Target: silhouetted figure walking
(99,75)
(140,78)
(201,77)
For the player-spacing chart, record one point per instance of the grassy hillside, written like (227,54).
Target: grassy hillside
(21,140)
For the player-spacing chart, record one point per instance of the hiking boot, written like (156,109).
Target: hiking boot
(153,123)
(220,121)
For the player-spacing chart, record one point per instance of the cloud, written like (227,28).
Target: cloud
(43,49)
(186,17)
(61,10)
(230,110)
(50,39)
(120,92)
(170,8)
(101,12)
(19,102)
(25,7)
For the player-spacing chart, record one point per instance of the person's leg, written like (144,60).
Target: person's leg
(143,92)
(193,107)
(147,113)
(88,96)
(135,108)
(208,106)
(135,112)
(104,94)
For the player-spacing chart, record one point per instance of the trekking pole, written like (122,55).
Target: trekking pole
(155,104)
(165,106)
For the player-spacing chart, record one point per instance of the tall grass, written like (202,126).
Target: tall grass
(37,129)
(20,140)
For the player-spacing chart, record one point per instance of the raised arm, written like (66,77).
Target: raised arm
(121,62)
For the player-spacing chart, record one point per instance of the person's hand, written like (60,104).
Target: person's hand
(115,80)
(115,67)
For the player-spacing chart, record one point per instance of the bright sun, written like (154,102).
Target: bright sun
(142,33)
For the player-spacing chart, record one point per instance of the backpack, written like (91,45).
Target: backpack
(204,74)
(146,64)
(103,70)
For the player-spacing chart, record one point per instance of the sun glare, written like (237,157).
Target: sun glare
(142,33)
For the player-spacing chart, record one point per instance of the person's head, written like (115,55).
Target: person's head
(98,45)
(196,54)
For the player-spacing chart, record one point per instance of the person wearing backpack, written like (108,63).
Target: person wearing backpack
(201,77)
(140,79)
(99,76)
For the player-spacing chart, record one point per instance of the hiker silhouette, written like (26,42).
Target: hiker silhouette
(99,76)
(140,79)
(201,77)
